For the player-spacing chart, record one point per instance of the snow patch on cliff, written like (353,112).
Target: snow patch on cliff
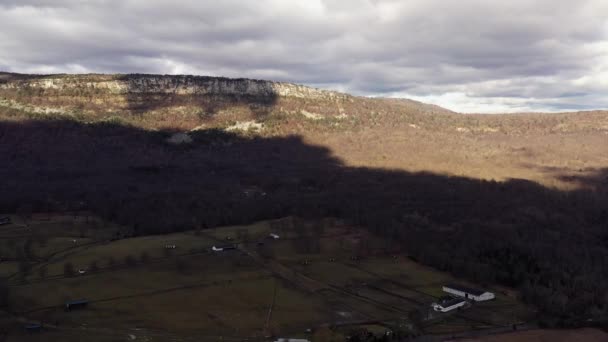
(245,126)
(312,116)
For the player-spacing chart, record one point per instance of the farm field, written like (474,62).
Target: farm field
(310,276)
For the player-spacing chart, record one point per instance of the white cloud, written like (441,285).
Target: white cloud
(469,55)
(464,103)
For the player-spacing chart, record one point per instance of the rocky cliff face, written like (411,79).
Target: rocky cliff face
(167,84)
(156,101)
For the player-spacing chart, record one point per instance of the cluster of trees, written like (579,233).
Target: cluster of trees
(550,244)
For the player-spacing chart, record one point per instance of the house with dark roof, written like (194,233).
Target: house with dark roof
(32,327)
(76,304)
(468,292)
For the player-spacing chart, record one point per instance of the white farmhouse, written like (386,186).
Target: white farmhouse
(468,293)
(448,304)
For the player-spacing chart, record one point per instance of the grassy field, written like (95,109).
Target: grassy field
(306,279)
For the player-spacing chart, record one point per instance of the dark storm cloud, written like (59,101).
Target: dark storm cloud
(470,55)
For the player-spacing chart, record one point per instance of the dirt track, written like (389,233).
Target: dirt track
(541,335)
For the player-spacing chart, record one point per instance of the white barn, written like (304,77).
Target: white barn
(449,304)
(468,293)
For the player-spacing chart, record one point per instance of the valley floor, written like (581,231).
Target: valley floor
(317,274)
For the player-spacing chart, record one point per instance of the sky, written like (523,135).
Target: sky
(485,56)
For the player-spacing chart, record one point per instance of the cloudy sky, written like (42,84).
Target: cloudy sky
(466,55)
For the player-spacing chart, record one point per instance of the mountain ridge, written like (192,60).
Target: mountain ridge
(178,84)
(190,100)
(554,149)
(205,85)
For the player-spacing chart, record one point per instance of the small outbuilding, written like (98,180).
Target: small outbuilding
(223,248)
(76,304)
(468,293)
(274,236)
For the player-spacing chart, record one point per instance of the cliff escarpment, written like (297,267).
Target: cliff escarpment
(185,102)
(165,84)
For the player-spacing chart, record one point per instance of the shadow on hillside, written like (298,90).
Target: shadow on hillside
(212,94)
(591,179)
(582,178)
(551,244)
